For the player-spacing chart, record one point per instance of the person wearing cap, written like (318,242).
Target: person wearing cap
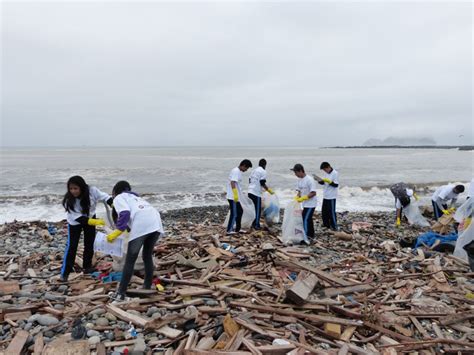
(306,188)
(330,180)
(234,194)
(442,196)
(257,183)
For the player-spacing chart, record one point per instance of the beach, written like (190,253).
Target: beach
(370,294)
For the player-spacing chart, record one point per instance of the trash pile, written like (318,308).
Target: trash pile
(352,291)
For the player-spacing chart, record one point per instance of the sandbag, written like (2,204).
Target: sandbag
(292,229)
(464,216)
(414,216)
(271,208)
(248,215)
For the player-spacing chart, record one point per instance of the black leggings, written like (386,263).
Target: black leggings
(148,242)
(73,236)
(235,217)
(437,211)
(257,202)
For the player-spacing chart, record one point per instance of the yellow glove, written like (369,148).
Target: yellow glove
(446,212)
(326,180)
(302,198)
(416,196)
(236,194)
(398,222)
(114,235)
(270,191)
(452,210)
(96,222)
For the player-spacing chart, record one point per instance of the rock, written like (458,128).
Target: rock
(49,334)
(92,333)
(94,340)
(139,345)
(43,319)
(97,311)
(110,317)
(90,325)
(102,321)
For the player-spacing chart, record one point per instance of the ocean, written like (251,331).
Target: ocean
(33,180)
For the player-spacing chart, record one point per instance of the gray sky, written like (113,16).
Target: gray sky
(240,73)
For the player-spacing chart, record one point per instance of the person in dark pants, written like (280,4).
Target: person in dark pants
(442,196)
(80,203)
(234,192)
(306,188)
(330,180)
(145,226)
(257,182)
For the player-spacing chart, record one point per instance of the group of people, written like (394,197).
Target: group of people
(143,222)
(306,195)
(130,213)
(443,199)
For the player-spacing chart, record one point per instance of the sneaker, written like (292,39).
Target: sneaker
(231,233)
(242,231)
(118,298)
(63,278)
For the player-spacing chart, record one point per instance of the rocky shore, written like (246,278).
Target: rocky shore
(357,291)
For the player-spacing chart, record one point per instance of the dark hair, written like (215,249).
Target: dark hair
(262,163)
(247,163)
(298,167)
(69,200)
(459,188)
(121,186)
(324,165)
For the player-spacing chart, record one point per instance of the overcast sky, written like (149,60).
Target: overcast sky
(239,73)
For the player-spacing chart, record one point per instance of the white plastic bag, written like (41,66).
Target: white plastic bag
(414,216)
(271,208)
(119,262)
(464,216)
(248,215)
(292,229)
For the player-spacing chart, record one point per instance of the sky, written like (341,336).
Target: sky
(234,73)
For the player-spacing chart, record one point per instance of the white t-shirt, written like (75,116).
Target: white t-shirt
(330,192)
(444,193)
(235,176)
(305,186)
(257,175)
(95,195)
(144,218)
(398,204)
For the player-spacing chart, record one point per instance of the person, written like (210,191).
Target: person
(80,203)
(330,181)
(442,196)
(234,192)
(144,223)
(403,194)
(306,188)
(464,248)
(257,182)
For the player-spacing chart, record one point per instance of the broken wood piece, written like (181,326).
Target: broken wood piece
(301,289)
(16,345)
(333,329)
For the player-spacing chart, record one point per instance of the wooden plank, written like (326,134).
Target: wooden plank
(333,329)
(39,344)
(335,291)
(456,318)
(388,332)
(17,316)
(128,317)
(169,332)
(323,275)
(9,287)
(301,289)
(347,334)
(193,291)
(16,345)
(300,315)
